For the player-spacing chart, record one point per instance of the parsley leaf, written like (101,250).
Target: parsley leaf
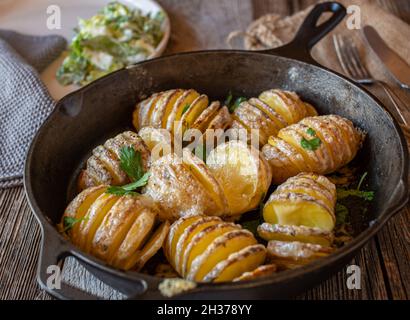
(228,99)
(129,189)
(185,109)
(311,144)
(236,104)
(344,193)
(69,222)
(341,213)
(311,132)
(131,163)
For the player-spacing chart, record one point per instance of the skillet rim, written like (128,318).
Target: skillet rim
(48,228)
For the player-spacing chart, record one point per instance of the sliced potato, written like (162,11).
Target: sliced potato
(243,174)
(256,119)
(79,207)
(219,250)
(298,209)
(275,101)
(295,252)
(115,226)
(261,271)
(175,188)
(158,141)
(203,120)
(166,99)
(151,247)
(279,121)
(136,236)
(205,177)
(187,236)
(95,215)
(175,232)
(201,240)
(184,101)
(142,109)
(169,106)
(193,112)
(304,234)
(237,263)
(294,138)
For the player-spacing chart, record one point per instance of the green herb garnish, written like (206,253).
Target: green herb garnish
(311,144)
(131,163)
(228,99)
(341,213)
(185,109)
(311,132)
(344,193)
(361,180)
(69,222)
(129,189)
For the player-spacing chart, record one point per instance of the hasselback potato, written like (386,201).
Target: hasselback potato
(207,249)
(271,111)
(178,110)
(304,200)
(103,166)
(116,229)
(243,173)
(184,186)
(319,144)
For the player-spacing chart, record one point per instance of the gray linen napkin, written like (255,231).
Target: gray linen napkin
(24,100)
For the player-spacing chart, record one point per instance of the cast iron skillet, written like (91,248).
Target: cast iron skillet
(90,115)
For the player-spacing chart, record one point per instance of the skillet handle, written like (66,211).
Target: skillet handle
(53,252)
(311,33)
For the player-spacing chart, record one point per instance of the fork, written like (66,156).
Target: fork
(349,59)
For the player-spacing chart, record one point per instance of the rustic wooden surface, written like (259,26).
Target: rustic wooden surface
(385,261)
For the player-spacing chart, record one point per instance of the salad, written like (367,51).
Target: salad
(112,39)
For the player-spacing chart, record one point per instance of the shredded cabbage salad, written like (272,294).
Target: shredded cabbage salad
(112,39)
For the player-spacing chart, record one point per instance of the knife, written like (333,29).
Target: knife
(395,64)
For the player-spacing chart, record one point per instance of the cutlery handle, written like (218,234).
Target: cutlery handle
(400,107)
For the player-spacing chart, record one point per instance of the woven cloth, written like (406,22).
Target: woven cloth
(24,100)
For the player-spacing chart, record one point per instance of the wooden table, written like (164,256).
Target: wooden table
(384,262)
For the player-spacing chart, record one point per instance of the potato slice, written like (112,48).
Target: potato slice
(115,226)
(216,127)
(298,209)
(182,102)
(175,188)
(310,110)
(187,236)
(202,122)
(158,141)
(169,106)
(294,138)
(201,240)
(290,152)
(261,271)
(97,170)
(136,236)
(282,167)
(237,263)
(203,174)
(111,164)
(145,110)
(193,112)
(167,98)
(327,138)
(219,250)
(175,231)
(242,172)
(275,101)
(304,234)
(141,110)
(274,116)
(95,215)
(256,119)
(325,159)
(79,207)
(295,252)
(150,249)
